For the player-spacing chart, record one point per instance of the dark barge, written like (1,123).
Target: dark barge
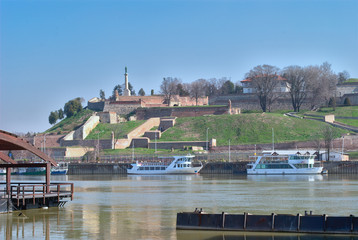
(286,223)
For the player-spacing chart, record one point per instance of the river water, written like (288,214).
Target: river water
(145,207)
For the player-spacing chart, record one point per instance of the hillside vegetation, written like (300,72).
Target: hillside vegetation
(252,128)
(104,130)
(71,123)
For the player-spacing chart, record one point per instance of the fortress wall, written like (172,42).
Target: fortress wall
(176,145)
(86,128)
(251,102)
(121,108)
(146,113)
(96,106)
(108,117)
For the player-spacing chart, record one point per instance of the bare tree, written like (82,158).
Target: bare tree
(328,135)
(297,80)
(322,84)
(197,89)
(168,88)
(264,80)
(343,76)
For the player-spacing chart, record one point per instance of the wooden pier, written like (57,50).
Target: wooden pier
(27,195)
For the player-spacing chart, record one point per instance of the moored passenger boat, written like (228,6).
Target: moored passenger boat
(179,165)
(292,164)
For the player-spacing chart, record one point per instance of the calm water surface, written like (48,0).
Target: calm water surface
(145,207)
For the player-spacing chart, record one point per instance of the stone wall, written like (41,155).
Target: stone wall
(77,151)
(103,143)
(96,106)
(166,123)
(152,135)
(146,113)
(108,117)
(121,108)
(177,145)
(251,102)
(86,128)
(353,98)
(140,142)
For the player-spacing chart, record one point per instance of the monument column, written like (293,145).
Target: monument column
(126,91)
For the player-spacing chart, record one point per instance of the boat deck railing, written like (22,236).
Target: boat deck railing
(27,190)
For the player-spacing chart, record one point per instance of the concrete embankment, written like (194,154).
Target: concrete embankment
(348,167)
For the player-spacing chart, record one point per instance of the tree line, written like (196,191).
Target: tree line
(314,82)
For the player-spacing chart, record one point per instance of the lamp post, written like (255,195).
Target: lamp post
(207,133)
(229,152)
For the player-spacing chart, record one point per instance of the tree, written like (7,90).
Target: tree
(332,103)
(238,89)
(297,81)
(347,102)
(264,80)
(182,90)
(343,76)
(119,90)
(328,136)
(52,119)
(152,92)
(130,87)
(322,84)
(61,114)
(168,88)
(141,92)
(197,89)
(73,106)
(102,95)
(227,88)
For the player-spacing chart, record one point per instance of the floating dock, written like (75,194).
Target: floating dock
(308,223)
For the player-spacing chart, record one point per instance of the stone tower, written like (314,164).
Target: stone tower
(126,91)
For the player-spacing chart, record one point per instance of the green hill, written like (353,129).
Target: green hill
(72,123)
(252,128)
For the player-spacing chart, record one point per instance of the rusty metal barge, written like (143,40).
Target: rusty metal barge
(286,223)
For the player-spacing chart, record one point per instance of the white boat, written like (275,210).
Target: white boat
(292,164)
(178,165)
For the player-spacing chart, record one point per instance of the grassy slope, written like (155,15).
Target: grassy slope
(352,80)
(71,123)
(120,129)
(245,129)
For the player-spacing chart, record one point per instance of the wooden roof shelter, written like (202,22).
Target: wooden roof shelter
(9,141)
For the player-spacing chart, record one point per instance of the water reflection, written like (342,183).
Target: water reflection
(145,207)
(288,178)
(35,224)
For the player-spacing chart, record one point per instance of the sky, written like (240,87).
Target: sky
(54,51)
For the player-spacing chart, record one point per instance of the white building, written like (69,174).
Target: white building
(282,85)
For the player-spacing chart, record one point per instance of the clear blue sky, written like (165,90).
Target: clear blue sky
(54,51)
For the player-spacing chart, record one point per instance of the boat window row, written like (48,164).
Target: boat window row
(181,165)
(184,159)
(150,168)
(304,165)
(273,166)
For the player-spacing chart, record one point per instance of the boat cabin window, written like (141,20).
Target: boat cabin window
(162,168)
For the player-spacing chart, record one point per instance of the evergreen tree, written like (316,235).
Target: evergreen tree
(347,102)
(61,114)
(52,119)
(152,92)
(72,107)
(141,92)
(102,95)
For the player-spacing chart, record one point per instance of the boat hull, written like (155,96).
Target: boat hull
(192,170)
(315,170)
